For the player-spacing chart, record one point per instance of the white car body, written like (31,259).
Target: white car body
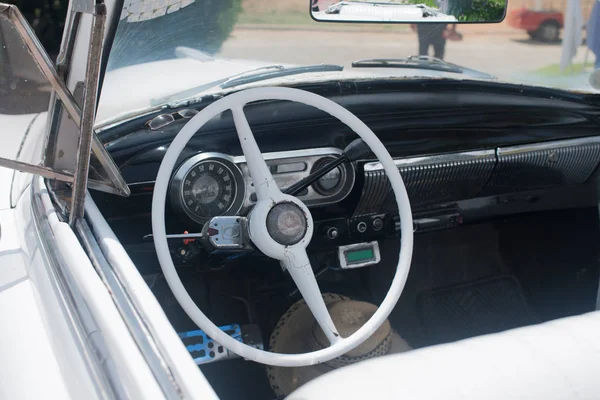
(68,332)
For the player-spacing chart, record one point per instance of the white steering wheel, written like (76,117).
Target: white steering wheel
(285,241)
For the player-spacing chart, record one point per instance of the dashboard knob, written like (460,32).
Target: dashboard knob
(377,224)
(361,227)
(332,233)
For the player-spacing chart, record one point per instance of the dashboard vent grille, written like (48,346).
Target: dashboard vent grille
(428,180)
(452,177)
(542,166)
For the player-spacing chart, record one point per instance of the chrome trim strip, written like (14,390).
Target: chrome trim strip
(36,170)
(90,343)
(84,6)
(309,156)
(278,155)
(544,165)
(119,186)
(88,114)
(555,144)
(573,161)
(134,322)
(434,159)
(143,183)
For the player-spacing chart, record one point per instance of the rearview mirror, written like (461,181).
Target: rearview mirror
(408,11)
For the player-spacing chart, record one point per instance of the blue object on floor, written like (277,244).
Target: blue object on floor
(203,349)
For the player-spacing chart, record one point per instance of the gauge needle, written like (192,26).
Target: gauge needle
(198,192)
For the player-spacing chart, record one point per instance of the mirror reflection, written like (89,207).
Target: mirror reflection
(413,11)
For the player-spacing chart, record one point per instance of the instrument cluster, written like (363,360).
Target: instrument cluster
(214,184)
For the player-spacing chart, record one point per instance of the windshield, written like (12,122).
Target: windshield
(165,52)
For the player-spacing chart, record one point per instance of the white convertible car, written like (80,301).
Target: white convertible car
(177,224)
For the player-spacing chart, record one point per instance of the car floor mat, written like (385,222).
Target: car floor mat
(472,309)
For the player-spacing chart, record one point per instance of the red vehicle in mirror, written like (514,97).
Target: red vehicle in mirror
(543,25)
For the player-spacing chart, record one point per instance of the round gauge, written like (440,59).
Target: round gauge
(207,188)
(331,181)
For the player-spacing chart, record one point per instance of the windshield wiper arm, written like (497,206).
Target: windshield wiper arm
(253,75)
(199,89)
(261,76)
(419,62)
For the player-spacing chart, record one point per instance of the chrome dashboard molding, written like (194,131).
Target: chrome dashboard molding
(308,156)
(448,178)
(243,201)
(544,165)
(278,155)
(435,159)
(555,144)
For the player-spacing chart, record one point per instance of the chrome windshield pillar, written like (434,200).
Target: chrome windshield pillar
(90,101)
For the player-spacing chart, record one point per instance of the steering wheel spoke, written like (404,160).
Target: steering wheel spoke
(265,185)
(297,264)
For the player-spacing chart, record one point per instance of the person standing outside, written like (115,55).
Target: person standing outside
(433,35)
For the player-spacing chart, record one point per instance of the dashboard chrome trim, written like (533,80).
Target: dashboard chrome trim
(448,178)
(243,201)
(544,165)
(310,157)
(278,155)
(435,159)
(551,145)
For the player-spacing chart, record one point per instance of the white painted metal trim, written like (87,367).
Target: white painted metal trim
(187,374)
(133,370)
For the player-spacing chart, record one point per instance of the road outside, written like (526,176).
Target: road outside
(507,54)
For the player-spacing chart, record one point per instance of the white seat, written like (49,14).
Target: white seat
(555,360)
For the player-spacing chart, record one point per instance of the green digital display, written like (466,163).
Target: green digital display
(356,256)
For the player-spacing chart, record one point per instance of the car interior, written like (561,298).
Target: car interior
(296,219)
(501,181)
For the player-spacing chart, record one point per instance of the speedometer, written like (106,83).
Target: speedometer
(205,187)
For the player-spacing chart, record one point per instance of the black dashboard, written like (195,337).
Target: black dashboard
(465,152)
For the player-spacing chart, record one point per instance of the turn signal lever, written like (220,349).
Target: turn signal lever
(220,233)
(356,150)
